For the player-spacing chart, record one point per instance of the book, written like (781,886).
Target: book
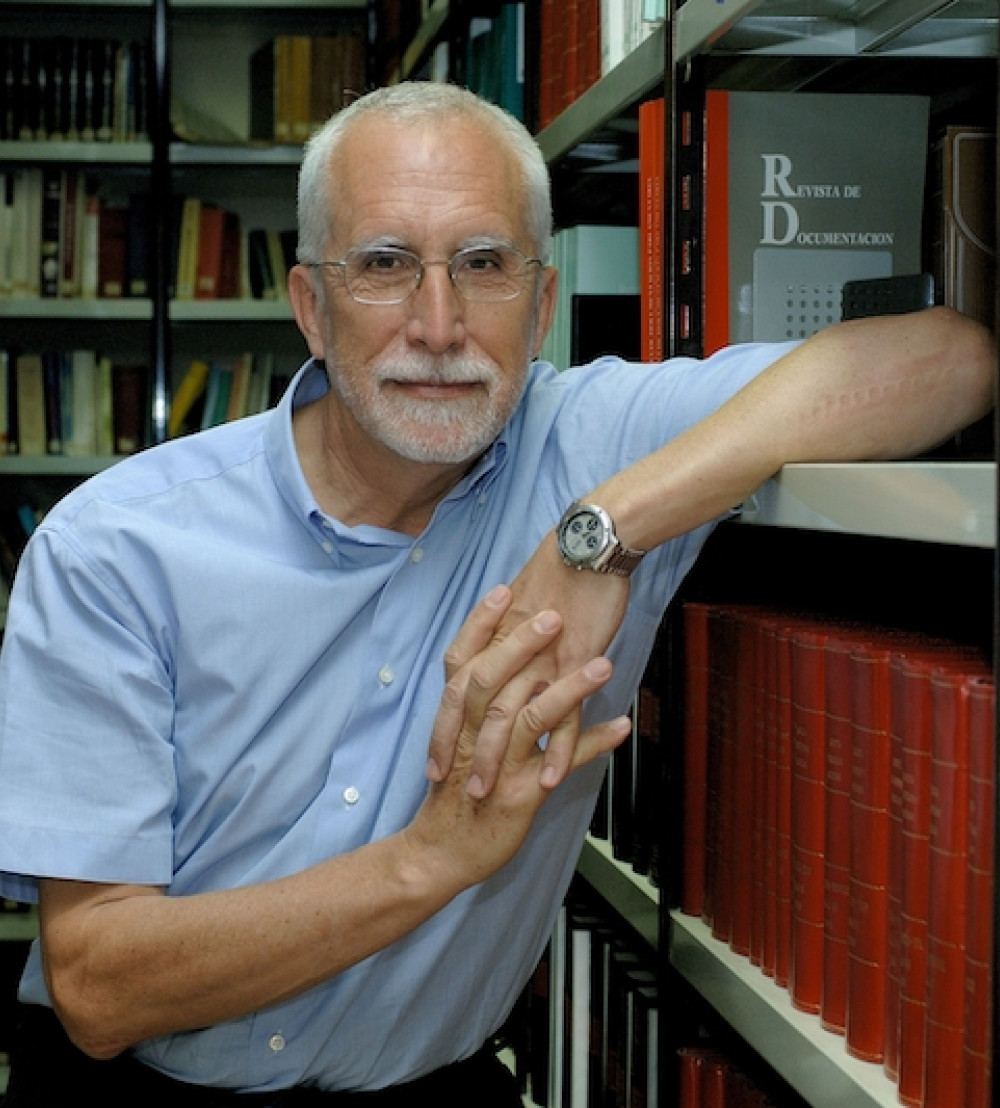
(695,758)
(947,890)
(802,192)
(979,948)
(211,233)
(188,235)
(112,258)
(808,817)
(129,407)
(652,170)
(868,939)
(839,719)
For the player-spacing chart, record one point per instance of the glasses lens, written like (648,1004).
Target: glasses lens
(489,273)
(382,275)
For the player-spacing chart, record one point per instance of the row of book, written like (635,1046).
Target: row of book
(582,40)
(298,81)
(217,257)
(77,403)
(217,391)
(74,89)
(585,1033)
(838,831)
(59,238)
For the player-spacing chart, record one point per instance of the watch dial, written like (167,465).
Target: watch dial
(583,536)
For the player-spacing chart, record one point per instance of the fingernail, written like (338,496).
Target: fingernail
(497,596)
(546,621)
(433,770)
(597,670)
(549,778)
(476,788)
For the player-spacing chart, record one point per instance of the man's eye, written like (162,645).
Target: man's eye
(482,261)
(383,262)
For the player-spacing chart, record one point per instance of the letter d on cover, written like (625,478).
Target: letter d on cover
(770,236)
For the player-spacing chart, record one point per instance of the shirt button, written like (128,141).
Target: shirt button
(328,547)
(417,555)
(276,1042)
(351,795)
(386,676)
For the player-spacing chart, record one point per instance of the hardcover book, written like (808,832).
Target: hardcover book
(804,191)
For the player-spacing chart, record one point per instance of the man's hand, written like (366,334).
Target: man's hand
(590,609)
(473,836)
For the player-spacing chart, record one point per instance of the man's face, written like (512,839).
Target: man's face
(435,377)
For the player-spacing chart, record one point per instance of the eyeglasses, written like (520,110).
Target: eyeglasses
(389,274)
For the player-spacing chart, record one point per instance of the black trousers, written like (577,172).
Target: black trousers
(48,1071)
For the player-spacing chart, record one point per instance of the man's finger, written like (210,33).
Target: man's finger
(473,686)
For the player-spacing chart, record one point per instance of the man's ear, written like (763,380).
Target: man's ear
(546,307)
(305,304)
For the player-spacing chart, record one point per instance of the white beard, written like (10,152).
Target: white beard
(442,431)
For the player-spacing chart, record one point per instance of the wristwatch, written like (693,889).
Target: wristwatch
(587,540)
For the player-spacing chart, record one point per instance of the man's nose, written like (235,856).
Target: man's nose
(437,311)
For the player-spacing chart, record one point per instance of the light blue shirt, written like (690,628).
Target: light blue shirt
(207,683)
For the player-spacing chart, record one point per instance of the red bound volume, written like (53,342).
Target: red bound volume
(695,756)
(946,920)
(721,764)
(868,921)
(744,755)
(808,829)
(979,924)
(837,868)
(783,805)
(765,865)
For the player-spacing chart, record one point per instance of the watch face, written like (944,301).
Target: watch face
(583,536)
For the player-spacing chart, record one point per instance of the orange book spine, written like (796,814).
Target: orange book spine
(652,146)
(808,818)
(979,923)
(722,764)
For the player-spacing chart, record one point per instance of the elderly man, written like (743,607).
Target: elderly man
(274,695)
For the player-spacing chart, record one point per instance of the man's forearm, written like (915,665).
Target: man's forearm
(876,388)
(126,964)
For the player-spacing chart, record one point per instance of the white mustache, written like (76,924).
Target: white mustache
(437,371)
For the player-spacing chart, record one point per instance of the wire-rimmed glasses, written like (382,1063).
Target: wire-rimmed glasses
(389,274)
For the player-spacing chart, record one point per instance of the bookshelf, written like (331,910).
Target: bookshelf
(913,514)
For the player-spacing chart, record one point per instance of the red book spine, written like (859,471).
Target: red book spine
(722,724)
(868,925)
(716,254)
(836,890)
(946,921)
(979,924)
(743,754)
(808,818)
(695,619)
(783,805)
(765,867)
